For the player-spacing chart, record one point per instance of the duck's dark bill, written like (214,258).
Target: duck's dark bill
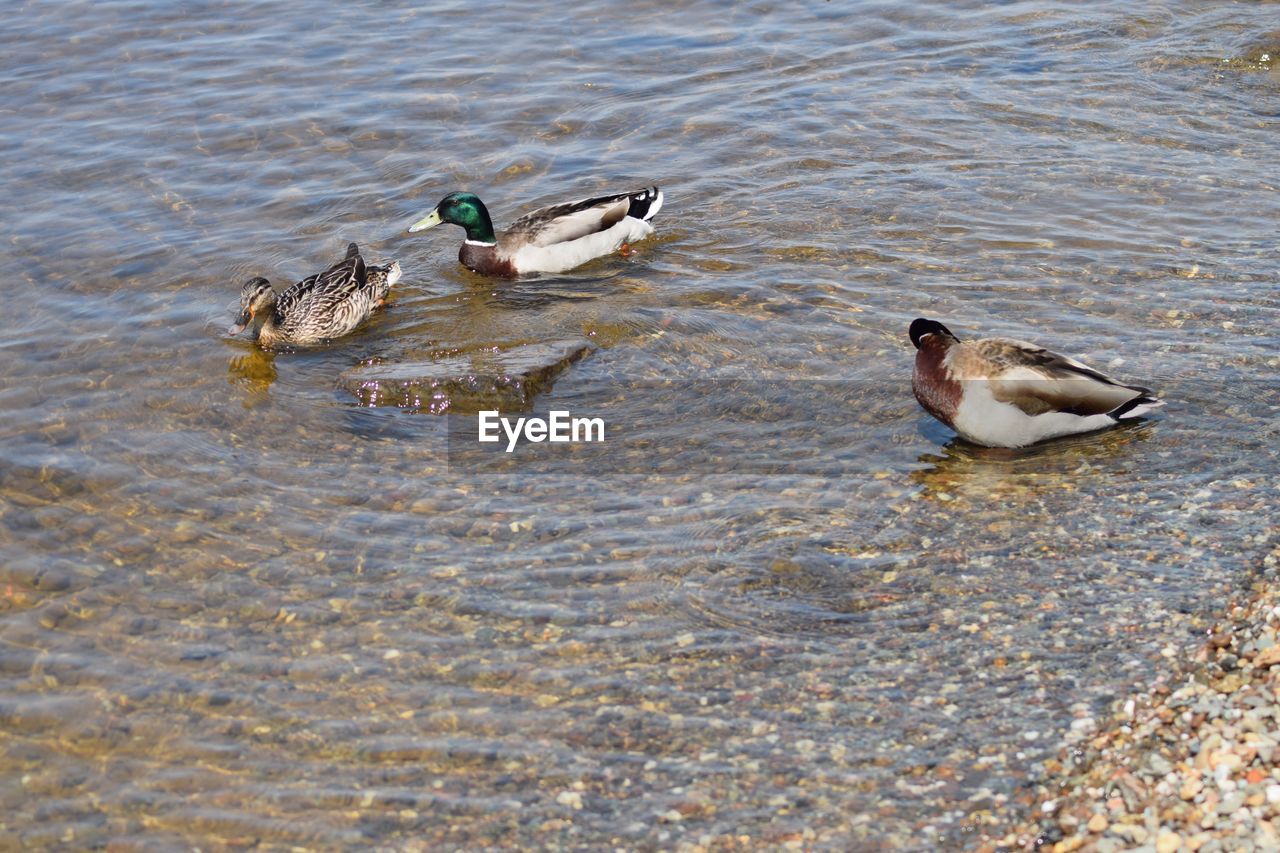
(241,322)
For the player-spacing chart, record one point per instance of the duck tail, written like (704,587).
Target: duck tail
(1137,407)
(645,203)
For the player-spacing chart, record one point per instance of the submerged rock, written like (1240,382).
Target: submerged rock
(1264,53)
(506,379)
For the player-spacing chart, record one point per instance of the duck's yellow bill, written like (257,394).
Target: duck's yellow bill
(431,220)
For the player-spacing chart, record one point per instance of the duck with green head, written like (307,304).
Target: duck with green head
(551,240)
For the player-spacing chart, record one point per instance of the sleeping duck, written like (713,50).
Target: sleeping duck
(1006,393)
(326,305)
(553,239)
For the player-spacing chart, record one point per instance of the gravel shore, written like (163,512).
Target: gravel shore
(1189,765)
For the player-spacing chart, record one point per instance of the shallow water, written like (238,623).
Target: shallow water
(781,603)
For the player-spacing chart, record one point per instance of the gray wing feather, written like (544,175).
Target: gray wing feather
(329,303)
(562,223)
(1037,380)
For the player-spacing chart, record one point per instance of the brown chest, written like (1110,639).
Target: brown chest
(937,392)
(485,260)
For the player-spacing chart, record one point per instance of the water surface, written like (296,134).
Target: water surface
(785,606)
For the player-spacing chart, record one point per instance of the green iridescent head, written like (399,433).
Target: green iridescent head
(463,209)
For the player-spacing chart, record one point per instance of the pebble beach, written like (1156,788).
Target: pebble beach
(1189,764)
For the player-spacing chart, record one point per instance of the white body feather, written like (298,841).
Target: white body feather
(559,257)
(982,419)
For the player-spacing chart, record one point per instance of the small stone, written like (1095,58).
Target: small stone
(1220,639)
(1098,823)
(1168,842)
(1267,657)
(572,799)
(1273,794)
(1132,832)
(1231,683)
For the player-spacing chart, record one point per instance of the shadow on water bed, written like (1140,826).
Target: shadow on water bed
(505,379)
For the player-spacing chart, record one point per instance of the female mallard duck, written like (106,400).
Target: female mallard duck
(553,239)
(323,306)
(1006,393)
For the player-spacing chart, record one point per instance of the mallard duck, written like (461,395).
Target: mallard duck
(1006,393)
(553,239)
(320,307)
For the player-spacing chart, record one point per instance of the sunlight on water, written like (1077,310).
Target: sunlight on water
(241,607)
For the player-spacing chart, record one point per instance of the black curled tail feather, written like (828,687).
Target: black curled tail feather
(644,204)
(1137,407)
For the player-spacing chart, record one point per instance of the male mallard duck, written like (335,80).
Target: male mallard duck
(326,305)
(553,239)
(1006,393)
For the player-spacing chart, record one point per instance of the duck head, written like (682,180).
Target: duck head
(922,328)
(255,297)
(464,209)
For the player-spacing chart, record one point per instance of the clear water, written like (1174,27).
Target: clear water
(237,607)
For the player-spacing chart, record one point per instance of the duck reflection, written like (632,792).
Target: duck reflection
(254,371)
(969,471)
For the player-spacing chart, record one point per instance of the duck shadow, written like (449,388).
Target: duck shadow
(540,290)
(961,466)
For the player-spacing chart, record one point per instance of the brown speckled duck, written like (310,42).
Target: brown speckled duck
(1007,393)
(553,239)
(321,307)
